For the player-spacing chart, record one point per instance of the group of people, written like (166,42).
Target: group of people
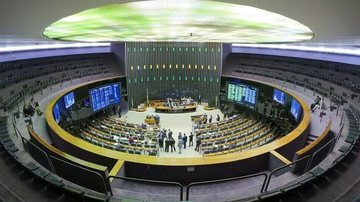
(204,119)
(166,139)
(184,101)
(31,108)
(117,109)
(182,141)
(316,104)
(155,117)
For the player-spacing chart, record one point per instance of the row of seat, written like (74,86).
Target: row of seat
(341,74)
(224,128)
(228,134)
(317,173)
(108,132)
(123,126)
(219,124)
(15,98)
(99,140)
(21,76)
(6,142)
(125,148)
(259,140)
(247,141)
(292,78)
(28,71)
(44,175)
(354,128)
(43,61)
(106,137)
(120,130)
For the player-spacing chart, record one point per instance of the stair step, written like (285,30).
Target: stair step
(312,138)
(310,135)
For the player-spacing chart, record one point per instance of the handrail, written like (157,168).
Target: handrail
(88,170)
(14,122)
(333,140)
(150,181)
(226,180)
(51,166)
(340,132)
(63,154)
(14,125)
(282,167)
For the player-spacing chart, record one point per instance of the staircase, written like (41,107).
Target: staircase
(310,138)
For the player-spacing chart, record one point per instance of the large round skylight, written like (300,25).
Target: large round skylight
(178,21)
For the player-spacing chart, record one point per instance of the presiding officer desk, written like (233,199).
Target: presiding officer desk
(161,106)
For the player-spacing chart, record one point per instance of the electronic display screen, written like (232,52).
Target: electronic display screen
(279,96)
(56,112)
(104,96)
(295,109)
(242,94)
(69,99)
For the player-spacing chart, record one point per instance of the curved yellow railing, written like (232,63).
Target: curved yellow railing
(186,161)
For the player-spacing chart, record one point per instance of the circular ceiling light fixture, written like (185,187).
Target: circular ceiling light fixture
(178,21)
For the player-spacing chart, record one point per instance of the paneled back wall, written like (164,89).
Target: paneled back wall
(160,70)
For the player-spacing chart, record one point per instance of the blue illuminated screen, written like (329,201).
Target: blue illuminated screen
(295,109)
(242,94)
(56,112)
(279,96)
(104,96)
(69,99)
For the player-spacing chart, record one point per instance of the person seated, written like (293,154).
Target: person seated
(231,146)
(215,148)
(204,120)
(131,140)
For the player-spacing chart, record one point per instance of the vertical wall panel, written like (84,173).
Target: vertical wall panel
(173,70)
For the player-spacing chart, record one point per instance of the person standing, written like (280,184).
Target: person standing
(205,119)
(161,142)
(37,109)
(198,143)
(210,119)
(119,111)
(167,144)
(172,145)
(218,118)
(163,133)
(179,136)
(170,134)
(191,137)
(31,102)
(199,100)
(114,109)
(180,144)
(185,140)
(157,119)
